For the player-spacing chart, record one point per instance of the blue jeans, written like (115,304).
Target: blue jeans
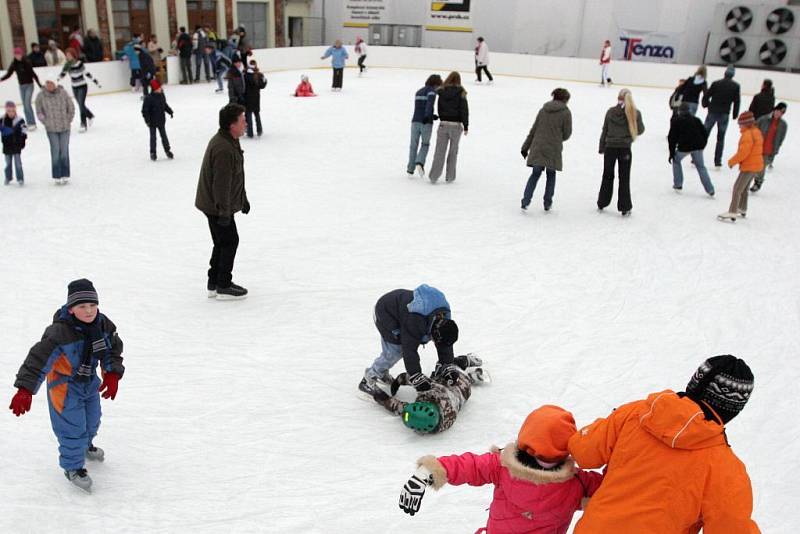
(17,159)
(220,76)
(26,92)
(75,416)
(549,189)
(692,108)
(697,159)
(390,355)
(721,120)
(59,153)
(419,132)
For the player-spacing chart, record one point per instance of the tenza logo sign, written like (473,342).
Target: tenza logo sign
(634,48)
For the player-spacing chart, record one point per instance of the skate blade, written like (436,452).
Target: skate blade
(479,375)
(211,294)
(221,296)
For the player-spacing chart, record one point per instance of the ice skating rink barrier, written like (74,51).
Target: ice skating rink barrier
(114,75)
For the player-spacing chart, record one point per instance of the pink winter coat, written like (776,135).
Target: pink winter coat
(526,500)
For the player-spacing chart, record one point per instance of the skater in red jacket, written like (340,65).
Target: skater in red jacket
(304,88)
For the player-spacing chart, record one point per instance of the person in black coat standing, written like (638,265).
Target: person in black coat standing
(688,136)
(93,47)
(183,42)
(37,56)
(694,88)
(236,83)
(154,110)
(719,98)
(255,81)
(147,67)
(764,102)
(26,76)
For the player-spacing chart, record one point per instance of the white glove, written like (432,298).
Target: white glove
(414,490)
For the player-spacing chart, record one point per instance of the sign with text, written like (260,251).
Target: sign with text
(365,12)
(450,15)
(647,46)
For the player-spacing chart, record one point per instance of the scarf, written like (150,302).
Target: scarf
(94,343)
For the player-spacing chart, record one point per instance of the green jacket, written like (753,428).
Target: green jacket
(220,189)
(615,129)
(545,141)
(780,133)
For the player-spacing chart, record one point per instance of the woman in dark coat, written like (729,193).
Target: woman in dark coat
(93,47)
(254,81)
(542,148)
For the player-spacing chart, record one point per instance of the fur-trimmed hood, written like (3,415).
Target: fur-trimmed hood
(508,458)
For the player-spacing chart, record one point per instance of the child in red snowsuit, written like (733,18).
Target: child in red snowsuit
(537,486)
(304,88)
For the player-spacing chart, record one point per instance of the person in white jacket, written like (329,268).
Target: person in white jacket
(605,63)
(54,56)
(361,51)
(482,60)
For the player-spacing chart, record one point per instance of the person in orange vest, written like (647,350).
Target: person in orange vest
(750,158)
(669,467)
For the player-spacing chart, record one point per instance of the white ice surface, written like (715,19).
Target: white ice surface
(243,417)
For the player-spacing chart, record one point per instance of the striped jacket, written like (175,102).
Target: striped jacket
(77,73)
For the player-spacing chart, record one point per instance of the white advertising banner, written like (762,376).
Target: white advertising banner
(450,16)
(647,46)
(362,13)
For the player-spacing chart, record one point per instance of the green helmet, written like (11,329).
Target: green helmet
(421,416)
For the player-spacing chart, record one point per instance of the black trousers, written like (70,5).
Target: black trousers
(249,118)
(338,78)
(485,69)
(622,158)
(80,96)
(164,140)
(361,66)
(226,241)
(186,69)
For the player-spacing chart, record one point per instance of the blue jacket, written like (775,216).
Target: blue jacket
(405,318)
(220,61)
(133,58)
(424,100)
(338,56)
(58,355)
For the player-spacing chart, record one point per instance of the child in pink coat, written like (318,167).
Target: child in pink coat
(304,87)
(537,486)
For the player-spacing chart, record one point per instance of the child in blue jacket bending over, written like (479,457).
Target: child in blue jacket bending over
(80,339)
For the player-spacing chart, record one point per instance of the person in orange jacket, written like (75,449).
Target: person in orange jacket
(750,159)
(669,467)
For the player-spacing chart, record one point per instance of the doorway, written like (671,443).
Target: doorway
(253,16)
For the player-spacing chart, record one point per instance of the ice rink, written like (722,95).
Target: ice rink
(243,416)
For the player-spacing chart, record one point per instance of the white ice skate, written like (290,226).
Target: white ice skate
(727,217)
(32,128)
(82,129)
(80,478)
(420,171)
(479,375)
(95,454)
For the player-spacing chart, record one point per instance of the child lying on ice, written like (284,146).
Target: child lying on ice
(537,486)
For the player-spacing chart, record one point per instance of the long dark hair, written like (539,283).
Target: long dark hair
(434,80)
(453,79)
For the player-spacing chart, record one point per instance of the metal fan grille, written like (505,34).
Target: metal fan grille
(772,52)
(739,19)
(732,50)
(780,20)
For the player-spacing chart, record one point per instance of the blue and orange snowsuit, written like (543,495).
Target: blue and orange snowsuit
(74,404)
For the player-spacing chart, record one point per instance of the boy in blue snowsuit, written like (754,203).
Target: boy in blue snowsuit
(80,339)
(407,319)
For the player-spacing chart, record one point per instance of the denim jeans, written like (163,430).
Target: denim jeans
(721,120)
(26,92)
(200,56)
(697,159)
(549,189)
(419,153)
(59,153)
(17,159)
(80,96)
(390,355)
(220,76)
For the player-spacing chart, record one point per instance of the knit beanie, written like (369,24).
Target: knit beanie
(730,71)
(747,119)
(80,292)
(154,85)
(444,331)
(724,383)
(546,432)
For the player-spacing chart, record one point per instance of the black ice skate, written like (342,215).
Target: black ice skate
(153,156)
(96,454)
(468,360)
(233,292)
(80,478)
(170,155)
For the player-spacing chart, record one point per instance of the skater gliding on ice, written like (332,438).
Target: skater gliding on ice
(537,488)
(669,466)
(154,111)
(13,131)
(482,61)
(773,129)
(694,89)
(80,340)
(405,320)
(422,125)
(453,122)
(750,159)
(339,57)
(688,137)
(605,64)
(719,98)
(80,87)
(361,50)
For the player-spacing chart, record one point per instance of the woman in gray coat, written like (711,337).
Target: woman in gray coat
(542,148)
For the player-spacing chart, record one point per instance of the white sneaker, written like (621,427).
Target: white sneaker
(420,170)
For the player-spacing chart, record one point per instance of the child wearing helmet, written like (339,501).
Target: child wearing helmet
(436,409)
(537,486)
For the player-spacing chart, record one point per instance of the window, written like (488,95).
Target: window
(130,17)
(55,19)
(201,13)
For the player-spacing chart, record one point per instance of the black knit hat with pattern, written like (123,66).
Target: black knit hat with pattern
(724,383)
(80,292)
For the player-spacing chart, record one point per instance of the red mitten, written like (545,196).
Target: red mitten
(110,385)
(21,403)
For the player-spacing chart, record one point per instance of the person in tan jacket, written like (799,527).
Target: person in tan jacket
(669,467)
(750,158)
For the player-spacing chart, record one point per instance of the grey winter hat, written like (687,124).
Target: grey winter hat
(724,383)
(730,71)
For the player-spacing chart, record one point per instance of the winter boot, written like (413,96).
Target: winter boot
(80,478)
(468,360)
(368,385)
(95,454)
(233,292)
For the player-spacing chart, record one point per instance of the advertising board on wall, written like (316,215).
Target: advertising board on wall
(450,16)
(647,46)
(362,13)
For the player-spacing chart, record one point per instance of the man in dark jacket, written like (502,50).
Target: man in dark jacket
(93,47)
(147,68)
(184,45)
(255,82)
(773,129)
(687,135)
(719,98)
(25,76)
(220,194)
(37,56)
(407,319)
(422,125)
(236,83)
(764,101)
(154,111)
